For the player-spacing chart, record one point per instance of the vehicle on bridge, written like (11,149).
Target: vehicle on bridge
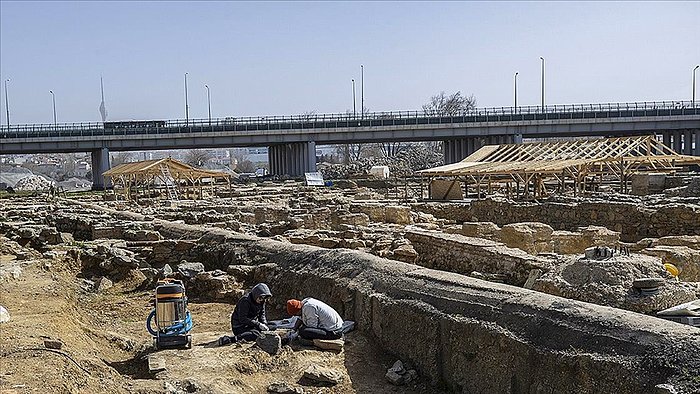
(133,124)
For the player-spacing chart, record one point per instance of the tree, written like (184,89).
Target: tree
(450,105)
(242,162)
(350,152)
(120,158)
(197,157)
(391,149)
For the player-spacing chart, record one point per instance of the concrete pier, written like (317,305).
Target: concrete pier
(100,164)
(455,150)
(292,159)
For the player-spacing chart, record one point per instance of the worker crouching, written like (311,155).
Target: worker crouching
(318,320)
(249,318)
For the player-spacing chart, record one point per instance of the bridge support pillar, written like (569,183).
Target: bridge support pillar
(455,150)
(100,164)
(292,159)
(667,139)
(677,146)
(696,151)
(687,144)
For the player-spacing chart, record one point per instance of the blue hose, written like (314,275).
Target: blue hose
(175,329)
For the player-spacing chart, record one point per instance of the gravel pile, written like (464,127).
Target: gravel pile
(405,163)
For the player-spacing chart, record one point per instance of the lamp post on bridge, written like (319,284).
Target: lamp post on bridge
(362,89)
(208,103)
(7,104)
(354,108)
(541,58)
(53,98)
(515,92)
(187,107)
(696,67)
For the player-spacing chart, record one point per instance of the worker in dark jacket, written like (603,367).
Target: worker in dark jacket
(249,319)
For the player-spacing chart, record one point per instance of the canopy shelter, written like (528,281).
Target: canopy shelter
(537,169)
(162,177)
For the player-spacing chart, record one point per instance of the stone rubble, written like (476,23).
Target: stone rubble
(323,375)
(284,388)
(270,342)
(398,375)
(33,183)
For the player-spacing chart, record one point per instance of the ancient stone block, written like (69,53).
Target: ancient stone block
(685,259)
(398,214)
(531,237)
(486,230)
(323,375)
(599,236)
(405,253)
(329,344)
(568,242)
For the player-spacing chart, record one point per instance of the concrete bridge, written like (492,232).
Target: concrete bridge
(292,139)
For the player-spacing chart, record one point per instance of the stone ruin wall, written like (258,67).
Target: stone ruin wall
(463,333)
(633,221)
(463,255)
(476,336)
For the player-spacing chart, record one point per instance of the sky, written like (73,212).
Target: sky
(283,58)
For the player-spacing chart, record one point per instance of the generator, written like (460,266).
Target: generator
(170,315)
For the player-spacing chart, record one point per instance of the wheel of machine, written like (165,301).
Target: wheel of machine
(155,343)
(189,342)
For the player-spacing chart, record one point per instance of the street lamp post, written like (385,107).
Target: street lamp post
(7,103)
(362,89)
(696,67)
(53,98)
(541,58)
(515,92)
(187,107)
(208,103)
(354,108)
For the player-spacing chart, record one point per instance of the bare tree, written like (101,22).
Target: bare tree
(350,152)
(391,149)
(120,158)
(197,157)
(242,161)
(449,104)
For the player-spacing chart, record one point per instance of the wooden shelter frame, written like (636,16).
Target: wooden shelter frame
(139,179)
(584,163)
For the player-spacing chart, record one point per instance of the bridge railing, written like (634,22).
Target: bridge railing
(335,120)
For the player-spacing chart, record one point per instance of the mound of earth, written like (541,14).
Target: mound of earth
(609,282)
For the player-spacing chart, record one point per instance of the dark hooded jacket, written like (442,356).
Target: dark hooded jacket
(248,313)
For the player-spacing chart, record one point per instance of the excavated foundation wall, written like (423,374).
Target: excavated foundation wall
(463,255)
(634,221)
(471,335)
(467,334)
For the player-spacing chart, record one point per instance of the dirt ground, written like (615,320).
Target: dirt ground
(106,344)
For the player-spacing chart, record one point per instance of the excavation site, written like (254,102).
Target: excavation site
(582,289)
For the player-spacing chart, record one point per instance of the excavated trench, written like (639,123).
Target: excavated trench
(465,334)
